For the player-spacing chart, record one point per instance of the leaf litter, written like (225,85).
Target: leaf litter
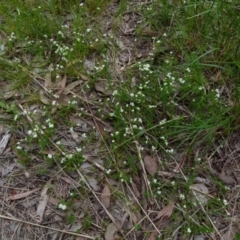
(93,170)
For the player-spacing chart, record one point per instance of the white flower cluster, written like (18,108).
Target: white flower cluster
(12,37)
(61,50)
(62,206)
(145,67)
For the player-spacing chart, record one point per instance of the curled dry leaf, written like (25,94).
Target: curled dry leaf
(227,179)
(153,235)
(73,85)
(230,234)
(22,195)
(150,164)
(110,232)
(166,212)
(42,206)
(63,82)
(200,191)
(93,183)
(102,86)
(106,197)
(4,142)
(6,170)
(48,80)
(44,99)
(75,136)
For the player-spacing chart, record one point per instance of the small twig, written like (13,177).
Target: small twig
(45,227)
(143,168)
(156,228)
(95,195)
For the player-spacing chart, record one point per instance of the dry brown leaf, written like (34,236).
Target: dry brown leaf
(67,180)
(110,232)
(230,234)
(4,142)
(102,86)
(23,195)
(135,190)
(64,81)
(48,80)
(200,191)
(150,164)
(166,212)
(100,128)
(84,77)
(153,235)
(42,206)
(75,136)
(73,85)
(62,84)
(93,183)
(42,203)
(226,179)
(54,201)
(106,197)
(6,170)
(44,99)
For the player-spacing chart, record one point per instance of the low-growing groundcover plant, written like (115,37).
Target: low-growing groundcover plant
(124,111)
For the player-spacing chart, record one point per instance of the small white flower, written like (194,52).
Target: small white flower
(49,155)
(153,148)
(115,92)
(78,149)
(189,230)
(62,206)
(29,132)
(162,122)
(225,202)
(170,150)
(182,196)
(181,80)
(19,147)
(34,135)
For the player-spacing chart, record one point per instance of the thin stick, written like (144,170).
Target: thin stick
(45,227)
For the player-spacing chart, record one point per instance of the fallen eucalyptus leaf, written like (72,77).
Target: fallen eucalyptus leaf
(200,191)
(106,197)
(166,212)
(150,164)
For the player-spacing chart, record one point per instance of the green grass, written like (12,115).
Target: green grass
(180,101)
